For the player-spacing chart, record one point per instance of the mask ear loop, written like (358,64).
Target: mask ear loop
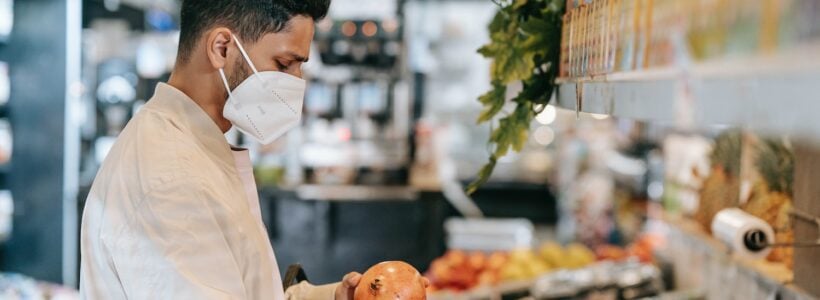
(236,104)
(245,55)
(228,88)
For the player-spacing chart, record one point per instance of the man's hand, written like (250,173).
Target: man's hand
(348,286)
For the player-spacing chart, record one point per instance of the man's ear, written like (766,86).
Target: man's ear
(217,41)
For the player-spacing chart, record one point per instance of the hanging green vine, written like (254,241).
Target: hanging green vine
(525,47)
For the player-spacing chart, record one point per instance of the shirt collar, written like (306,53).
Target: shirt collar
(184,111)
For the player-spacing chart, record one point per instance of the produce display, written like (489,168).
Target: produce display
(643,247)
(391,280)
(605,280)
(748,172)
(460,271)
(771,195)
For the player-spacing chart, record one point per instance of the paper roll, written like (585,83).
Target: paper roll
(746,235)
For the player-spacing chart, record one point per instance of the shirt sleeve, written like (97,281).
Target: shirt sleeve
(307,291)
(176,247)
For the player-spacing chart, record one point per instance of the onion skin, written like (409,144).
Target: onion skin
(391,280)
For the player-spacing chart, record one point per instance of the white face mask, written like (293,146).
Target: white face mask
(266,105)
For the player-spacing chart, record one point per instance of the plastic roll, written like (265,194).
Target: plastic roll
(746,235)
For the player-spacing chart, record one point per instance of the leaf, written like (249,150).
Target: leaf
(497,46)
(519,3)
(483,176)
(542,36)
(513,65)
(493,102)
(523,116)
(499,22)
(512,131)
(488,50)
(534,26)
(534,44)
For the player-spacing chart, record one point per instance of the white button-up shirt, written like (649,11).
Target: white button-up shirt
(168,216)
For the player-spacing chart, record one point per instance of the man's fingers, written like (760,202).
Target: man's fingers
(351,280)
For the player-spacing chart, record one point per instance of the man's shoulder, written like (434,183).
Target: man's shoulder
(157,132)
(156,149)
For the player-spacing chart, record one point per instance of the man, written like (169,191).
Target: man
(173,212)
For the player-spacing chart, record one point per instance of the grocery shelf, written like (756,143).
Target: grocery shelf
(701,261)
(776,94)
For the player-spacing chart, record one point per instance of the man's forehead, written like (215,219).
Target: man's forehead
(295,41)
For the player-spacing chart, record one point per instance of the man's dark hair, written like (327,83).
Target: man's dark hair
(248,19)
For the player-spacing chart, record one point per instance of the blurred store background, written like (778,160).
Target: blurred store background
(612,196)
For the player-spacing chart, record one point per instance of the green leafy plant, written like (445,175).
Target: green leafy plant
(775,162)
(525,47)
(727,150)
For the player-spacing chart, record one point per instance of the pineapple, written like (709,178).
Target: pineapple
(721,189)
(771,199)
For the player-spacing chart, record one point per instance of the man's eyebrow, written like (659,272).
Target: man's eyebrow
(297,57)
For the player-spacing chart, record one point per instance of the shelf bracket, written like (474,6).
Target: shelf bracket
(808,218)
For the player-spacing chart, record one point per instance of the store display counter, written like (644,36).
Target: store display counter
(702,262)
